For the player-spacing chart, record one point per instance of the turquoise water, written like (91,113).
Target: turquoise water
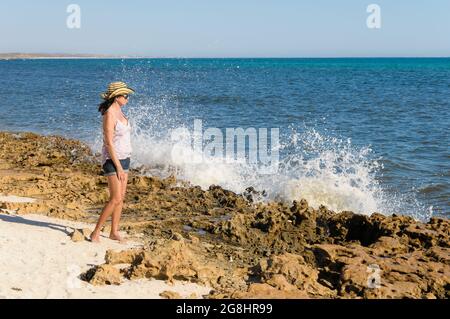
(360,134)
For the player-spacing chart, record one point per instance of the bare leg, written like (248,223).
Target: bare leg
(115,199)
(117,212)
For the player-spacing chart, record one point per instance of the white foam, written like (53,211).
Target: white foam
(322,169)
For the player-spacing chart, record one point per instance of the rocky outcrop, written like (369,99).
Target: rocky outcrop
(167,294)
(174,260)
(80,234)
(103,275)
(381,272)
(77,236)
(290,272)
(240,246)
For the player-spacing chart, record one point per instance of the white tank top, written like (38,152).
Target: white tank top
(121,141)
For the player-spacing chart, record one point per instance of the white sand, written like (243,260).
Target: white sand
(16,199)
(39,260)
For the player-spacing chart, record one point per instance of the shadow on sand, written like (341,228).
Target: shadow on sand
(21,220)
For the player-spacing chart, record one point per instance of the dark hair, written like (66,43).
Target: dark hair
(104,106)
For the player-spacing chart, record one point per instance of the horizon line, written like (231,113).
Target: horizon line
(31,56)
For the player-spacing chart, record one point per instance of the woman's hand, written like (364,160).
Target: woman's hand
(120,174)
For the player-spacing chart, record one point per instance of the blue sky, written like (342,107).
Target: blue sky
(228,28)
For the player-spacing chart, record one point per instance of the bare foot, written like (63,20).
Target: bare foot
(95,238)
(118,238)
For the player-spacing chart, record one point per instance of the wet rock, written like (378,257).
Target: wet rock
(252,195)
(304,217)
(226,198)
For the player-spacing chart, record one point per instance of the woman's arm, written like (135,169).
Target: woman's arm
(108,133)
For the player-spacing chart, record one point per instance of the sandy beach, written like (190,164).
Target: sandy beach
(38,259)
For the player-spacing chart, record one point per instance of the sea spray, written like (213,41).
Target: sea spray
(339,177)
(332,172)
(320,167)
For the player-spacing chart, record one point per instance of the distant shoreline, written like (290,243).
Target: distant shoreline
(51,56)
(36,56)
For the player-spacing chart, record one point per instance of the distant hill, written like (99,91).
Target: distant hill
(15,56)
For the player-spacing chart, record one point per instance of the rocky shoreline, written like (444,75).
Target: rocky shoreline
(241,248)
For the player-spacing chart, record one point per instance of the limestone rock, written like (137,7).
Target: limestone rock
(103,275)
(266,291)
(174,260)
(121,257)
(170,294)
(289,271)
(77,236)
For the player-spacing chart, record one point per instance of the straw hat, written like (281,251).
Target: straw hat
(116,89)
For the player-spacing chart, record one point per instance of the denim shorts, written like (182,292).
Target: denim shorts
(108,169)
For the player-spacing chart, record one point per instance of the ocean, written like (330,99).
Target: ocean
(366,135)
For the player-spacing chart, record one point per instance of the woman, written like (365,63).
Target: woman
(116,154)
